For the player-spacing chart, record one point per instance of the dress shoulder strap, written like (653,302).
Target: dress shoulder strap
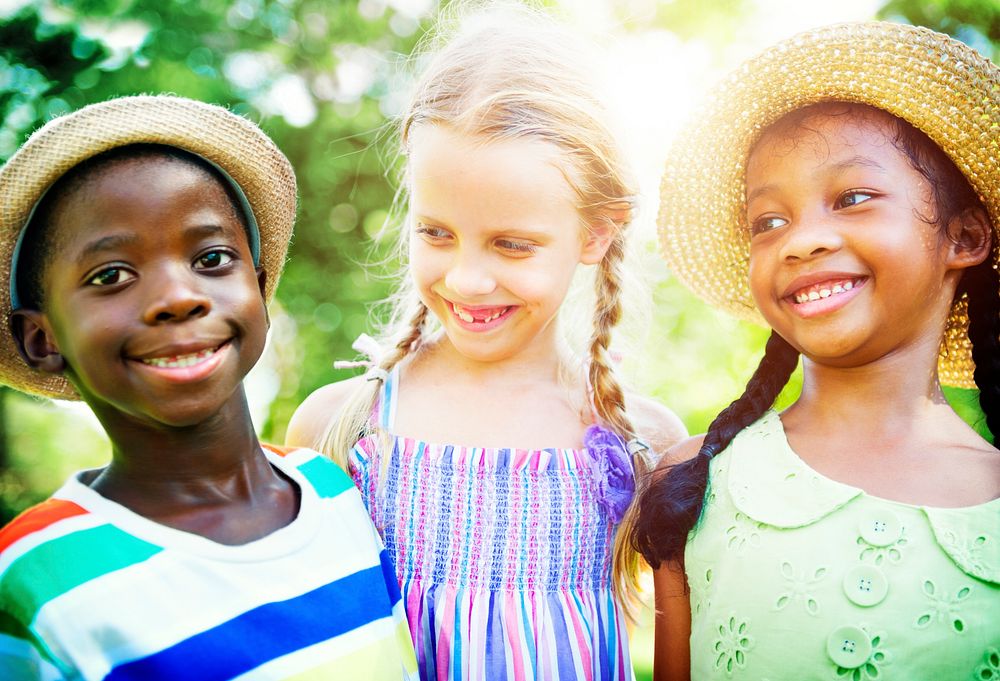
(386,405)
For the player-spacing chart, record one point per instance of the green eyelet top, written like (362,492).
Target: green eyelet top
(796,576)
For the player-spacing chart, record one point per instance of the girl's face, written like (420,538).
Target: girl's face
(495,239)
(844,263)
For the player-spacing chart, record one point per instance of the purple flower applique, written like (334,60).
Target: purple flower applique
(615,480)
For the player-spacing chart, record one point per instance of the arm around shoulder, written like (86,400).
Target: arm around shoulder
(311,419)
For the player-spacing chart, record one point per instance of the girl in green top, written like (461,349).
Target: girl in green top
(844,187)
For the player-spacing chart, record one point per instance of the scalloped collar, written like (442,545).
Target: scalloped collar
(771,484)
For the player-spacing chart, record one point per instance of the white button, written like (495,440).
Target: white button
(865,585)
(880,528)
(849,646)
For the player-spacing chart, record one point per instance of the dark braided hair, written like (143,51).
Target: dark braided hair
(981,284)
(671,505)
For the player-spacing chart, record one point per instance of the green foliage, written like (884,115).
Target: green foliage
(976,22)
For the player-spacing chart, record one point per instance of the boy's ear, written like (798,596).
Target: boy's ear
(261,280)
(262,285)
(35,342)
(970,238)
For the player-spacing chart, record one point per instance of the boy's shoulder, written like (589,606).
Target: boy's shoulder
(323,475)
(310,420)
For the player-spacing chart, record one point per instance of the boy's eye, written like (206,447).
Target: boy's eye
(212,259)
(110,277)
(766,223)
(853,197)
(516,246)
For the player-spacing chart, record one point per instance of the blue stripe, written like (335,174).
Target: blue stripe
(389,575)
(326,477)
(267,632)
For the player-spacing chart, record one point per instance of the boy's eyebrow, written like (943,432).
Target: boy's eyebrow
(107,243)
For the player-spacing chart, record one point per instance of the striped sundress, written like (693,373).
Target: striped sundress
(503,556)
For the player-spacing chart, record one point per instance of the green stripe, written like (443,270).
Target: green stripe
(327,477)
(55,567)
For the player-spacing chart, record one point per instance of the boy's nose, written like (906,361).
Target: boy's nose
(176,297)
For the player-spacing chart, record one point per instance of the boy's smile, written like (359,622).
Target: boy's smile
(151,297)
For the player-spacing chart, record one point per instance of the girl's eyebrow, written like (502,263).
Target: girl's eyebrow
(835,169)
(858,160)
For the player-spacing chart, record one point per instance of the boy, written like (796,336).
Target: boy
(142,238)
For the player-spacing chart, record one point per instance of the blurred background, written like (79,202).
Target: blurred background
(325,78)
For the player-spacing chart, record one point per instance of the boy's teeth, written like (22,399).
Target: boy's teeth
(180,361)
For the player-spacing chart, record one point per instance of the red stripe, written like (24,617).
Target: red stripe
(280,451)
(38,518)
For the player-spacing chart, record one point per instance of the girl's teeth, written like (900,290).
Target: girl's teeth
(180,361)
(823,292)
(469,319)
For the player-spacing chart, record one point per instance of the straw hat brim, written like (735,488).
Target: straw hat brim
(228,140)
(939,85)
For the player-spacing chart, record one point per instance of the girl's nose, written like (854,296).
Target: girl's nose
(810,237)
(175,295)
(469,277)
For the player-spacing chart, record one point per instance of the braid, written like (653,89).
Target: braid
(982,286)
(609,399)
(353,422)
(672,504)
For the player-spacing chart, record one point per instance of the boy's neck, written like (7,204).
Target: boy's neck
(211,478)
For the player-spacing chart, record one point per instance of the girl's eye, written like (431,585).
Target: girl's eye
(212,259)
(516,246)
(853,197)
(431,232)
(766,223)
(110,277)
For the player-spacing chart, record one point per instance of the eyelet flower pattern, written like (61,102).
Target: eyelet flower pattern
(943,608)
(872,667)
(701,596)
(799,586)
(967,552)
(880,554)
(732,644)
(989,670)
(743,533)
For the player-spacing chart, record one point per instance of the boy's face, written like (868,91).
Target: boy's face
(153,308)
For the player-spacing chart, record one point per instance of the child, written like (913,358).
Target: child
(471,443)
(142,238)
(848,179)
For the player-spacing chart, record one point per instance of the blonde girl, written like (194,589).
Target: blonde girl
(497,465)
(853,197)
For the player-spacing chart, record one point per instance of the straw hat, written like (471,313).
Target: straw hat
(232,143)
(941,86)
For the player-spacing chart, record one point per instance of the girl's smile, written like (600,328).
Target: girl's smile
(845,261)
(495,239)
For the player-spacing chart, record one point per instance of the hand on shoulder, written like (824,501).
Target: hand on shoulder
(655,423)
(311,419)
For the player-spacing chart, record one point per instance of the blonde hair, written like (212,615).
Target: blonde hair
(513,73)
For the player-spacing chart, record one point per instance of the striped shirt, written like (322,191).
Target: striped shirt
(91,590)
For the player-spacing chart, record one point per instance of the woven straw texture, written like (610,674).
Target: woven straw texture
(939,85)
(230,141)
